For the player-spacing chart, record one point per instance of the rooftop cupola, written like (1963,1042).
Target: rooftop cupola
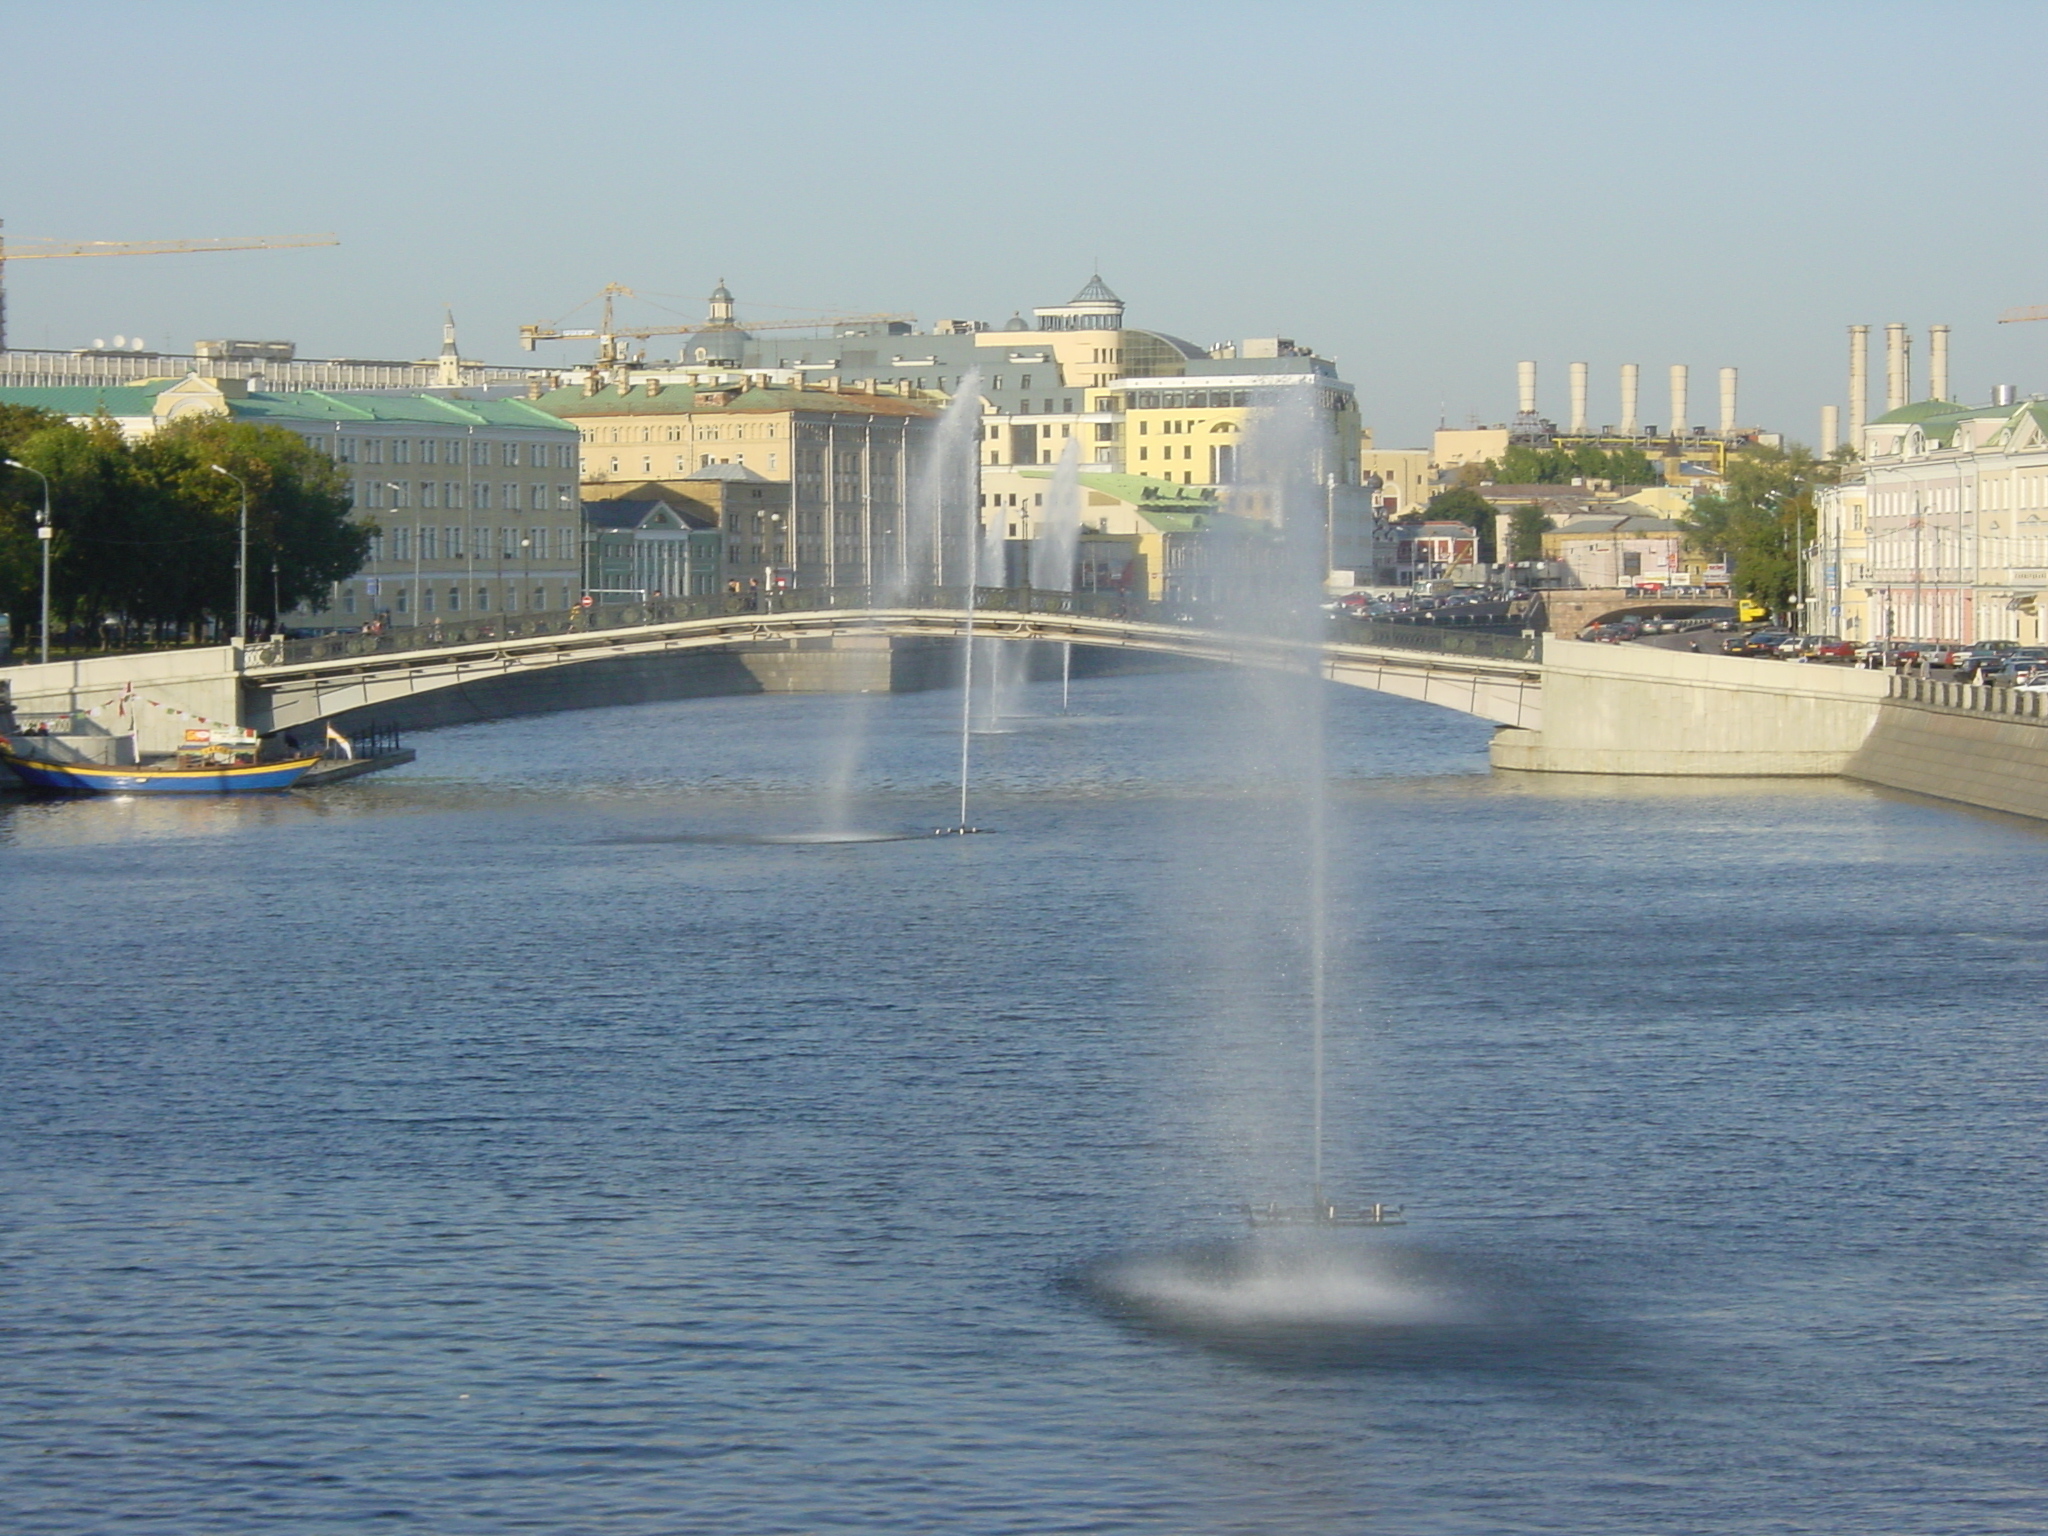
(1094,308)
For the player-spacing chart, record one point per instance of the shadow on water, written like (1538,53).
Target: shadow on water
(1350,1302)
(759,839)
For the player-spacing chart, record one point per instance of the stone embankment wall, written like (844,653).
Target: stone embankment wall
(1985,747)
(1640,710)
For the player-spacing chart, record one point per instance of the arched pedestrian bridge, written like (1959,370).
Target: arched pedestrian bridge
(1563,707)
(1493,677)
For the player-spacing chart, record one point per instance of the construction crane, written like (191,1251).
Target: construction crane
(608,334)
(2031,312)
(44,250)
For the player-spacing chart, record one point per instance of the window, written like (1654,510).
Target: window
(451,495)
(426,450)
(480,493)
(454,543)
(348,599)
(404,600)
(429,544)
(772,460)
(426,493)
(1024,381)
(483,599)
(427,599)
(375,447)
(401,450)
(401,544)
(455,599)
(376,547)
(510,458)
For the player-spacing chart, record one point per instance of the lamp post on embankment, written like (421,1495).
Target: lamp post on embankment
(241,558)
(42,538)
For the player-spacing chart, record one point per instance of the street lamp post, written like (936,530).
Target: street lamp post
(42,538)
(241,558)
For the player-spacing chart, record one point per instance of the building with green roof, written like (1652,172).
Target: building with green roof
(1941,533)
(476,501)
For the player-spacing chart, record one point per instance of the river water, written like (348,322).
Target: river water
(516,1143)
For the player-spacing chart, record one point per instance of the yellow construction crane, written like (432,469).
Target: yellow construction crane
(44,250)
(607,334)
(2031,312)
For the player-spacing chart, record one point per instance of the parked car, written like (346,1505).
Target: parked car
(1986,653)
(2017,665)
(1762,642)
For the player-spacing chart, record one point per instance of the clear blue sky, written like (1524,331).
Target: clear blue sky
(1426,192)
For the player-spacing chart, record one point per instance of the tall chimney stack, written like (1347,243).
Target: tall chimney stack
(1727,402)
(1678,380)
(1937,362)
(1859,383)
(1578,371)
(1830,429)
(1525,388)
(1629,374)
(1896,387)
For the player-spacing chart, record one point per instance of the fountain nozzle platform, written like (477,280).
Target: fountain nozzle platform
(1325,1213)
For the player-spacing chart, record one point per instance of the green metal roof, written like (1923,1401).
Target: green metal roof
(411,410)
(137,400)
(87,399)
(1138,489)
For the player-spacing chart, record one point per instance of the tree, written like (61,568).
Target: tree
(1526,526)
(1763,519)
(298,508)
(147,533)
(1462,504)
(21,504)
(1525,465)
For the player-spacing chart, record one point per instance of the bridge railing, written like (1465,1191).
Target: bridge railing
(993,603)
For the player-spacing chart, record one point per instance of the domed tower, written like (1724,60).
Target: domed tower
(721,306)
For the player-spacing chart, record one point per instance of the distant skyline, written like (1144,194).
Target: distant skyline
(1425,192)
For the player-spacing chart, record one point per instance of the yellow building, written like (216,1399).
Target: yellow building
(1407,477)
(846,457)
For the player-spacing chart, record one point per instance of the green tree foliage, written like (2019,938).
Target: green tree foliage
(21,501)
(1526,526)
(146,533)
(1763,519)
(1462,504)
(1523,465)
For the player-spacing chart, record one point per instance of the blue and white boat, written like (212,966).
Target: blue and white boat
(217,762)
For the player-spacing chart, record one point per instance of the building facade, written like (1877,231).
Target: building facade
(1944,534)
(842,465)
(1072,377)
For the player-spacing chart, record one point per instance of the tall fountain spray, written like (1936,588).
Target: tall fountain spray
(944,542)
(1058,542)
(1272,596)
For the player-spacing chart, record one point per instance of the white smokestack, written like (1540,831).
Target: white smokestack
(1525,388)
(1830,429)
(1629,374)
(1678,377)
(1937,362)
(1727,401)
(1859,382)
(1578,372)
(1896,386)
